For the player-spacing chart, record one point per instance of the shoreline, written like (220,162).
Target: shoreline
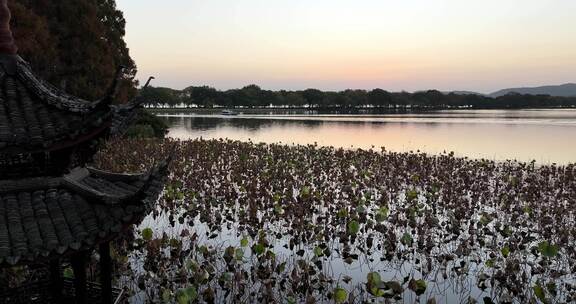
(352,111)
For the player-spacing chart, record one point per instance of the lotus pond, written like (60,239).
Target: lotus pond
(241,222)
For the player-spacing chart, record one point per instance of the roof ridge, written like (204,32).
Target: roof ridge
(79,178)
(74,184)
(113,176)
(49,93)
(52,119)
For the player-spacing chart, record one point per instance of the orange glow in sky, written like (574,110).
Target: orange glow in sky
(337,44)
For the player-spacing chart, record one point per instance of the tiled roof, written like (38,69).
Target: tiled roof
(126,114)
(42,217)
(36,116)
(42,213)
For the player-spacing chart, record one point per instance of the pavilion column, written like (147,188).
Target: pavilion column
(106,273)
(79,266)
(56,283)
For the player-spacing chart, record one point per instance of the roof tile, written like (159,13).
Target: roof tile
(36,222)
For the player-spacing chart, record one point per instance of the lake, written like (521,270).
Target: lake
(546,136)
(236,214)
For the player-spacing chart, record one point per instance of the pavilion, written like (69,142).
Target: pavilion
(54,207)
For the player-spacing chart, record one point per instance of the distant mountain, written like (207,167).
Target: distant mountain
(565,90)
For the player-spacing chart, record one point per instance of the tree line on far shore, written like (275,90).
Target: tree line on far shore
(253,96)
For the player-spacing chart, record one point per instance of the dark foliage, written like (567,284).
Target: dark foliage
(74,44)
(148,125)
(253,96)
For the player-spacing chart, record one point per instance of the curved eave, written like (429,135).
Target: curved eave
(51,95)
(111,176)
(124,116)
(33,107)
(78,206)
(109,188)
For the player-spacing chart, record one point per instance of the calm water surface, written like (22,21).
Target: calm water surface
(547,136)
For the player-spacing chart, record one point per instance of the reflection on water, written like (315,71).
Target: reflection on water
(546,136)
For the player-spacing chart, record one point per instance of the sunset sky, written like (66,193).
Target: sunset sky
(337,44)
